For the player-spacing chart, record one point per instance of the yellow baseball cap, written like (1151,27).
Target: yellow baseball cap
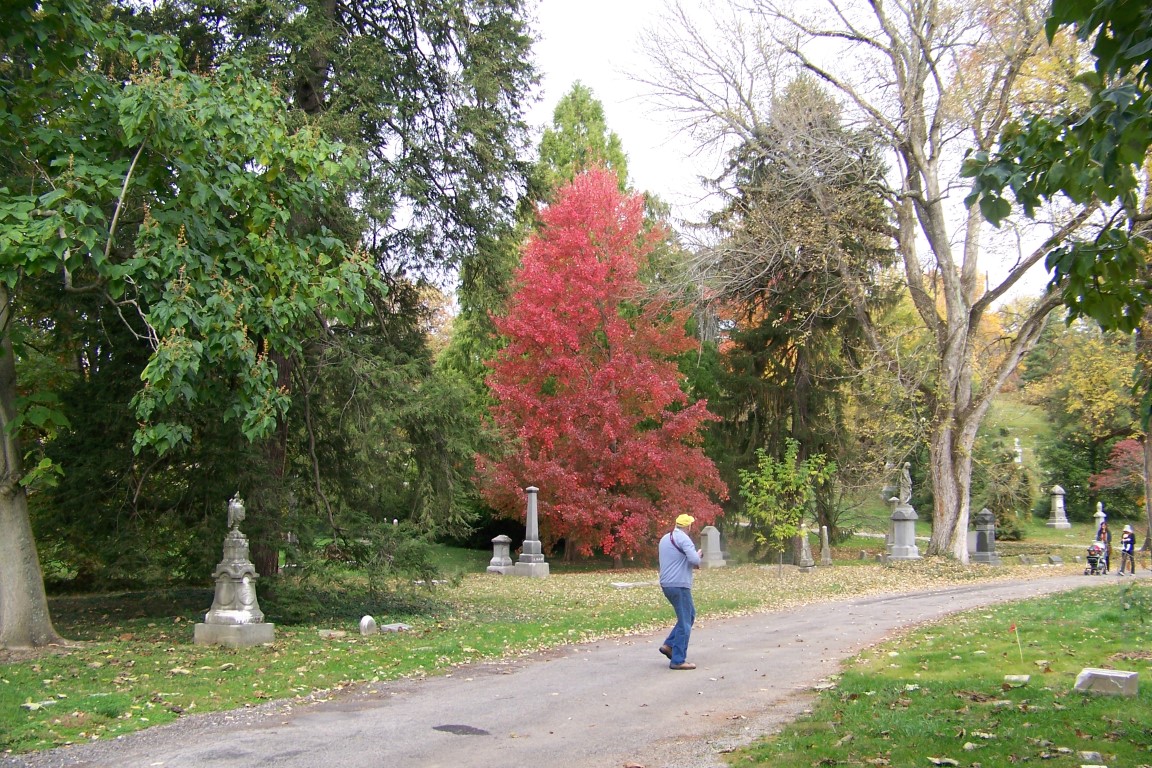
(685,520)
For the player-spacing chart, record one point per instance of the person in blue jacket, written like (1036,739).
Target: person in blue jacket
(678,559)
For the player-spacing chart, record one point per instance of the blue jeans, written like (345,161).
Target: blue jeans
(681,599)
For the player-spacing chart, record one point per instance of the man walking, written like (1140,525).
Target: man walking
(678,558)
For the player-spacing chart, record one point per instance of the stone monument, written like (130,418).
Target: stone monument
(1057,518)
(825,547)
(531,561)
(501,561)
(806,564)
(902,542)
(711,554)
(235,618)
(985,549)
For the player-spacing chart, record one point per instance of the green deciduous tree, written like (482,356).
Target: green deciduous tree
(1089,151)
(779,494)
(170,196)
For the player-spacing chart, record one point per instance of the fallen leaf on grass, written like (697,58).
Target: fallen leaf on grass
(973,695)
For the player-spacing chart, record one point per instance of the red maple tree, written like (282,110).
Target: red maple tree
(587,390)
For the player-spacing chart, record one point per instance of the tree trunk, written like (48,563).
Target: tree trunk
(1147,545)
(24,618)
(951,472)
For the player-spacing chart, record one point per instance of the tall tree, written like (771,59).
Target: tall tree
(588,393)
(1091,149)
(802,216)
(170,196)
(431,95)
(577,140)
(932,80)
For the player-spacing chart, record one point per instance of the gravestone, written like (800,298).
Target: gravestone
(368,626)
(501,561)
(806,564)
(985,545)
(531,561)
(825,548)
(1057,518)
(902,542)
(711,555)
(235,619)
(1110,681)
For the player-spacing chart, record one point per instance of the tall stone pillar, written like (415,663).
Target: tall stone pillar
(1057,518)
(531,560)
(825,547)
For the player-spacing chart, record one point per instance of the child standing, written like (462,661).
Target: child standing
(1127,551)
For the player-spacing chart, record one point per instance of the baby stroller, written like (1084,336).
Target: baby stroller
(1097,560)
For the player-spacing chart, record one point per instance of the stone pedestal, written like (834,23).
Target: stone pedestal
(1057,518)
(501,561)
(235,618)
(711,555)
(531,560)
(984,550)
(902,545)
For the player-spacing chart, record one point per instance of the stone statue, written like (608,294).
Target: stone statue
(235,512)
(905,483)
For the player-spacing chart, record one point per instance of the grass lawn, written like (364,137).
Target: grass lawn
(135,665)
(949,694)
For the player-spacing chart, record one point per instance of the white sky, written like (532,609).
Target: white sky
(598,43)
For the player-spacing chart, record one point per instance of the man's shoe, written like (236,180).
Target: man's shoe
(682,665)
(666,650)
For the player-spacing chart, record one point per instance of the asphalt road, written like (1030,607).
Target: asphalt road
(607,703)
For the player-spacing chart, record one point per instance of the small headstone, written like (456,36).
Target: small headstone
(1055,560)
(1111,681)
(1017,680)
(1025,560)
(711,556)
(332,634)
(501,561)
(863,554)
(368,626)
(395,628)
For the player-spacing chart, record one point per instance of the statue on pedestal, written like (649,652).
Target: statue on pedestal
(235,618)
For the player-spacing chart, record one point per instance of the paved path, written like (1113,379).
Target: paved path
(603,704)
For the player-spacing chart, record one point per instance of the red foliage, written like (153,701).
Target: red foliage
(1125,467)
(587,392)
